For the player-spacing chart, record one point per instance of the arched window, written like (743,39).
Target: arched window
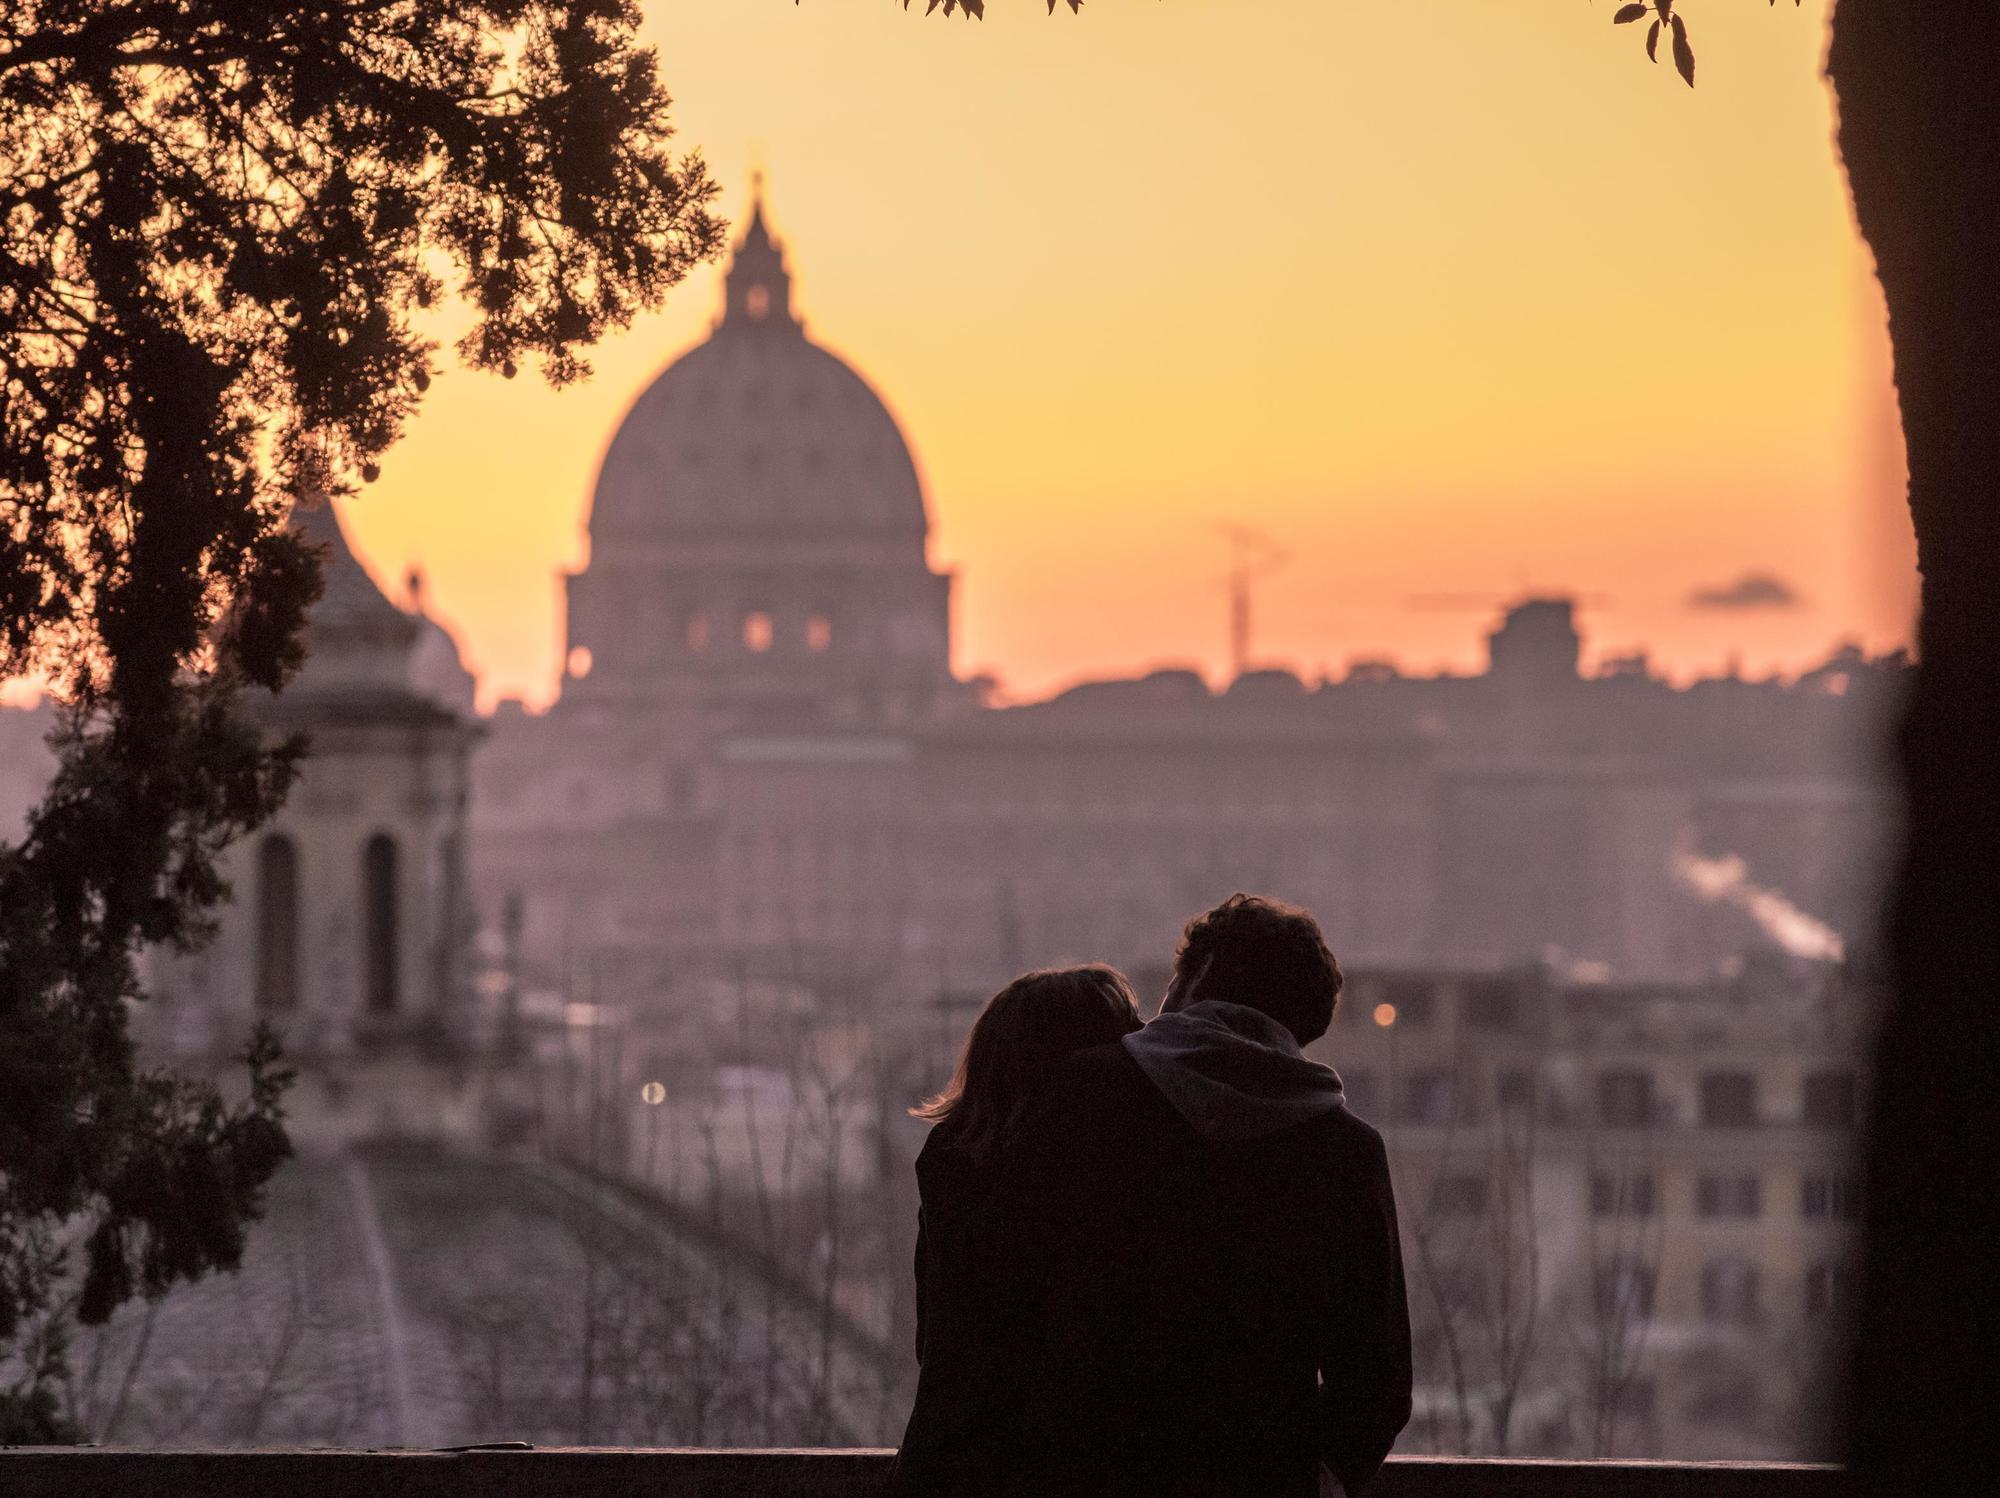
(757,631)
(697,630)
(277,923)
(819,633)
(451,918)
(381,949)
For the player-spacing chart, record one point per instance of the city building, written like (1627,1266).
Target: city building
(761,766)
(1629,1209)
(352,916)
(762,857)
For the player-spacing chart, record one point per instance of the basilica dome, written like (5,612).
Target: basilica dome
(758,535)
(757,430)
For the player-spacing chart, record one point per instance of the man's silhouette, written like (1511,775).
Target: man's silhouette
(1198,1244)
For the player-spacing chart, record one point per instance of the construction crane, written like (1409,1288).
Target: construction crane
(1252,555)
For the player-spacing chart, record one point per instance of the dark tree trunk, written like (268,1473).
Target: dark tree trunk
(1919,95)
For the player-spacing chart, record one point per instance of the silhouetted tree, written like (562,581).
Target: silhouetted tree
(219,220)
(1920,137)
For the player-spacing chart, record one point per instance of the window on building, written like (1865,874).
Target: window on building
(1834,1197)
(1624,1099)
(680,788)
(1459,1196)
(758,632)
(1830,1100)
(1729,1196)
(1829,1288)
(1490,1004)
(579,662)
(695,631)
(1728,1100)
(1514,1090)
(380,954)
(1729,1292)
(1364,1092)
(1428,1098)
(1623,1195)
(454,921)
(1623,1288)
(1414,1000)
(278,924)
(819,633)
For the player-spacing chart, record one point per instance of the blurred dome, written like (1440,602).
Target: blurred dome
(757,430)
(360,644)
(437,661)
(355,638)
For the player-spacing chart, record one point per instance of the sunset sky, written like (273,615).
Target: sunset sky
(1451,297)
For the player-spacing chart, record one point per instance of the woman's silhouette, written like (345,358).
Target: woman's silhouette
(1025,1031)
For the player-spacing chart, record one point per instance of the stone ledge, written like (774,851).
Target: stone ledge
(609,1472)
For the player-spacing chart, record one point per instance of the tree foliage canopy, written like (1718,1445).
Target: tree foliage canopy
(220,221)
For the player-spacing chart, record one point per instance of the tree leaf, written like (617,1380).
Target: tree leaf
(1653,41)
(1683,53)
(1628,13)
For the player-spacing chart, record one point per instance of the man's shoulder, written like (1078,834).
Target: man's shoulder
(1352,1136)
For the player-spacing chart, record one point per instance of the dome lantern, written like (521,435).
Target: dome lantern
(758,288)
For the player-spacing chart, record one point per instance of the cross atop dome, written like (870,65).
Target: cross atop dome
(759,288)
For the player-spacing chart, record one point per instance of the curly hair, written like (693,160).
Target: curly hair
(1264,954)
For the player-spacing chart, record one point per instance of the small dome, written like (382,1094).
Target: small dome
(758,431)
(355,637)
(359,644)
(437,662)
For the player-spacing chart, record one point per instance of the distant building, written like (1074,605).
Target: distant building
(352,916)
(1653,1188)
(1587,919)
(761,765)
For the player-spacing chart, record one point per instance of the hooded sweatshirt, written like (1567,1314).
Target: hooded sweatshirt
(1233,1072)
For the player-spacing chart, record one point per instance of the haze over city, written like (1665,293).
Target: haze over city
(1124,276)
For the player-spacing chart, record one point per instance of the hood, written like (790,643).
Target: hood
(1233,1072)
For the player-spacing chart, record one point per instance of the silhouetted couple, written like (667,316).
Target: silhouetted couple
(1157,1261)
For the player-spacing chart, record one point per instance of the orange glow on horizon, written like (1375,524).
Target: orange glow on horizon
(1453,300)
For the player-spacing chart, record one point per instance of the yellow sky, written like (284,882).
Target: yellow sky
(1452,296)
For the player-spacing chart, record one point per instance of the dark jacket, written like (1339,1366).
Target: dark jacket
(1204,1288)
(961,1412)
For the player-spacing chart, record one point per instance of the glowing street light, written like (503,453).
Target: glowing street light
(1385,1015)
